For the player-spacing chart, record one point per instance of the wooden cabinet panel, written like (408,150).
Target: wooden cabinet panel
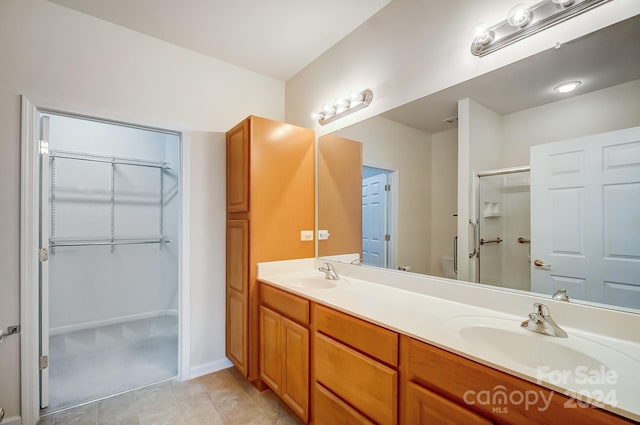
(330,410)
(340,171)
(236,287)
(270,182)
(426,408)
(295,364)
(237,254)
(271,359)
(454,376)
(363,336)
(237,330)
(362,382)
(238,168)
(289,305)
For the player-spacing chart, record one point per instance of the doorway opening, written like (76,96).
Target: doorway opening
(110,231)
(376,216)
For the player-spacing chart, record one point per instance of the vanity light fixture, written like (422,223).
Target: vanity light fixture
(523,21)
(567,87)
(343,106)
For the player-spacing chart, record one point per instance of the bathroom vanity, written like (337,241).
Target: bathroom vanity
(382,347)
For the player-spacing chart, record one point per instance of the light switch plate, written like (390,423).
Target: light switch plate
(306,235)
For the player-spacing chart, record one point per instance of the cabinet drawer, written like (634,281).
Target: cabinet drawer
(287,304)
(330,410)
(363,336)
(367,385)
(463,381)
(426,408)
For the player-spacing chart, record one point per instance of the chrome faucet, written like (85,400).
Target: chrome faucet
(540,321)
(560,295)
(329,271)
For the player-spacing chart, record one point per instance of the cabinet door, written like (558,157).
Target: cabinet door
(237,293)
(238,168)
(295,364)
(330,410)
(426,408)
(365,384)
(270,348)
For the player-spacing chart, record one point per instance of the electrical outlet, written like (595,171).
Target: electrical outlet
(323,235)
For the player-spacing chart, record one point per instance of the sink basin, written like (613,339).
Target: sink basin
(571,362)
(312,283)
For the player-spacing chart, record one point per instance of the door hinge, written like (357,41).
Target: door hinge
(44,147)
(44,254)
(387,188)
(387,238)
(44,362)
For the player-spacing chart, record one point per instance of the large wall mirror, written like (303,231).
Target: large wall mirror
(501,180)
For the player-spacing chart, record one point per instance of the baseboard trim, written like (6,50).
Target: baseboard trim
(14,420)
(113,321)
(207,368)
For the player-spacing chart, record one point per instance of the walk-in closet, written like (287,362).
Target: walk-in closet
(109,290)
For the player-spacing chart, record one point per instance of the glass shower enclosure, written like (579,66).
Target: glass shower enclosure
(503,213)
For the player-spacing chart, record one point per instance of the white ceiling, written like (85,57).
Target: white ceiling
(601,59)
(277,38)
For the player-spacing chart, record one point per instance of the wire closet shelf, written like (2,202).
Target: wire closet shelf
(112,241)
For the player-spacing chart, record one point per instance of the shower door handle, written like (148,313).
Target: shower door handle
(475,239)
(455,254)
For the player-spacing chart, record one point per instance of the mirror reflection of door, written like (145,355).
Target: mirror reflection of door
(376,186)
(586,217)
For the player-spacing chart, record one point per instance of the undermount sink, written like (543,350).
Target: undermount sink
(312,283)
(568,362)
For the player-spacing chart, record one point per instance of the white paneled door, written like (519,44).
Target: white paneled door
(585,217)
(374,220)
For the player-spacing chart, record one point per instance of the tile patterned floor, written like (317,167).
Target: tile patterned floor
(221,398)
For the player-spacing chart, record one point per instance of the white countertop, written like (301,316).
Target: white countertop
(597,367)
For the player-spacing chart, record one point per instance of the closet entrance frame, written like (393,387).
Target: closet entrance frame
(30,254)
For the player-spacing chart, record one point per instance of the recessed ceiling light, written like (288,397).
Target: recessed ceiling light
(567,87)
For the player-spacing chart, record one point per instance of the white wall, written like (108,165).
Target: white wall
(393,146)
(64,59)
(444,196)
(207,266)
(413,48)
(479,144)
(96,285)
(609,109)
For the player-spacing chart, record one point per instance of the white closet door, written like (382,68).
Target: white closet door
(585,217)
(374,220)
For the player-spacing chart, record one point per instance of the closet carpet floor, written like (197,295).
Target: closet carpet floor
(221,398)
(91,364)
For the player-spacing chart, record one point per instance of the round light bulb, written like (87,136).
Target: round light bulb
(482,35)
(567,87)
(329,109)
(520,15)
(563,3)
(317,116)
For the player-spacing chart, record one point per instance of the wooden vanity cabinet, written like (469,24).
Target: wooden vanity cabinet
(270,199)
(354,370)
(438,386)
(284,347)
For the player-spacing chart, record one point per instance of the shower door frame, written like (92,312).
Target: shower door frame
(30,262)
(476,184)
